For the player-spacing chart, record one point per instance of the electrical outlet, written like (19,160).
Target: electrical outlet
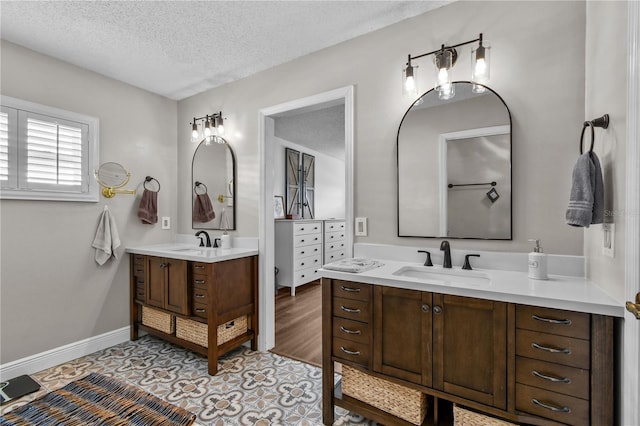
(608,241)
(166,222)
(361,226)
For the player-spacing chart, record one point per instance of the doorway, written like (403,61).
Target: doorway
(268,165)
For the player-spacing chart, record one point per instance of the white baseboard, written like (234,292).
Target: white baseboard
(66,353)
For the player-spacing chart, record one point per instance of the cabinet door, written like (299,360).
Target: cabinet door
(470,349)
(155,283)
(177,294)
(402,334)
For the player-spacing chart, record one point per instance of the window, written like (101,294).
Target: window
(47,153)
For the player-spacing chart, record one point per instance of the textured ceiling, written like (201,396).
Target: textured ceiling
(180,48)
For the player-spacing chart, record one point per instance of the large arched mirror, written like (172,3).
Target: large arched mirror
(213,173)
(454,166)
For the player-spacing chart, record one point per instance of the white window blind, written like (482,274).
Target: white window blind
(51,153)
(4,146)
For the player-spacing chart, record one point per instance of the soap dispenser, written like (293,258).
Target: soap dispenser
(537,263)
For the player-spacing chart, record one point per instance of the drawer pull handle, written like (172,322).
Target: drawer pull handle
(350,310)
(348,352)
(551,378)
(551,407)
(198,267)
(351,289)
(346,330)
(551,321)
(199,281)
(199,296)
(552,350)
(163,265)
(139,271)
(200,310)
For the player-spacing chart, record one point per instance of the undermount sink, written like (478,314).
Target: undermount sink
(188,250)
(443,276)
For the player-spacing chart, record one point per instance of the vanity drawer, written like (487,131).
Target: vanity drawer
(351,290)
(199,294)
(552,405)
(305,275)
(307,251)
(554,377)
(553,321)
(141,291)
(308,262)
(333,246)
(333,236)
(307,240)
(300,228)
(200,281)
(334,255)
(356,310)
(200,310)
(553,348)
(351,351)
(354,331)
(334,226)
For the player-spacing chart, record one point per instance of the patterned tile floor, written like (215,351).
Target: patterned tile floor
(251,388)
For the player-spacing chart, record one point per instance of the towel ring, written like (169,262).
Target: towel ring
(198,184)
(149,179)
(593,135)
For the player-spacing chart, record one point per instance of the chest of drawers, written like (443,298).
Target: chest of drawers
(298,252)
(334,240)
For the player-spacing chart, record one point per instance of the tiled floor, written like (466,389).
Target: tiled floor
(251,388)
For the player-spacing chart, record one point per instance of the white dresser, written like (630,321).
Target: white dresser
(334,241)
(299,249)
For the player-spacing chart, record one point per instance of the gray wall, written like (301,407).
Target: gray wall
(537,67)
(52,291)
(606,85)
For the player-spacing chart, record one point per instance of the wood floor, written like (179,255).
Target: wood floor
(299,323)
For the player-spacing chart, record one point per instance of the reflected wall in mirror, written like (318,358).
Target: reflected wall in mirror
(454,166)
(213,173)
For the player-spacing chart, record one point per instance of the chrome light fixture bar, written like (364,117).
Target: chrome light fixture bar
(444,59)
(208,128)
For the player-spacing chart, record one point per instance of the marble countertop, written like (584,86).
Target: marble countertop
(559,291)
(194,253)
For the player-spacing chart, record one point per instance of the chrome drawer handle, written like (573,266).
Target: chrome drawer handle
(551,378)
(551,407)
(200,311)
(199,296)
(348,352)
(551,321)
(351,289)
(552,350)
(199,281)
(346,330)
(198,267)
(350,310)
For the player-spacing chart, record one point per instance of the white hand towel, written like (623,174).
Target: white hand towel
(107,239)
(355,265)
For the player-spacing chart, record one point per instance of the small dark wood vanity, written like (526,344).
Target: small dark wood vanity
(193,304)
(519,363)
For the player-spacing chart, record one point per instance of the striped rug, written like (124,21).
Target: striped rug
(98,400)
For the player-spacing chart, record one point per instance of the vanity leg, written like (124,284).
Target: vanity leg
(327,363)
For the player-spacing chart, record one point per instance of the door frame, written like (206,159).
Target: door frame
(631,336)
(266,338)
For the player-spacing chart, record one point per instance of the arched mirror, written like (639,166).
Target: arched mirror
(213,173)
(454,166)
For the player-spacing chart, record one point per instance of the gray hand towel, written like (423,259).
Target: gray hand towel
(203,209)
(148,209)
(586,201)
(106,240)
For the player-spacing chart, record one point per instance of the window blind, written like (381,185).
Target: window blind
(4,146)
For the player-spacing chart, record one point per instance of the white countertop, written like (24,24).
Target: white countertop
(560,292)
(194,253)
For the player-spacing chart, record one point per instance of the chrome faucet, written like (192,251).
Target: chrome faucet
(199,233)
(446,263)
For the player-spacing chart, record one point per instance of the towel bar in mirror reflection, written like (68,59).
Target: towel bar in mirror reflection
(112,177)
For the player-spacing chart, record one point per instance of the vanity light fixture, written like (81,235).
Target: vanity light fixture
(212,128)
(444,59)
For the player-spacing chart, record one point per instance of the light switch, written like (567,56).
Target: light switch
(608,242)
(361,226)
(166,222)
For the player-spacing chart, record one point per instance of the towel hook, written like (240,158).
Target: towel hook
(149,179)
(197,184)
(596,122)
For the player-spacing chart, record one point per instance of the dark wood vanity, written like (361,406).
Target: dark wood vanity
(519,363)
(193,304)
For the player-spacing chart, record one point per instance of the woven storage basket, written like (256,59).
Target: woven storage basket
(401,401)
(198,333)
(158,320)
(463,417)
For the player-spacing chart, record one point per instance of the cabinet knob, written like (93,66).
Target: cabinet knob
(425,308)
(437,309)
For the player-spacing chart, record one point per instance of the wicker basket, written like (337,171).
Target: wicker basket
(401,401)
(158,320)
(464,417)
(198,333)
